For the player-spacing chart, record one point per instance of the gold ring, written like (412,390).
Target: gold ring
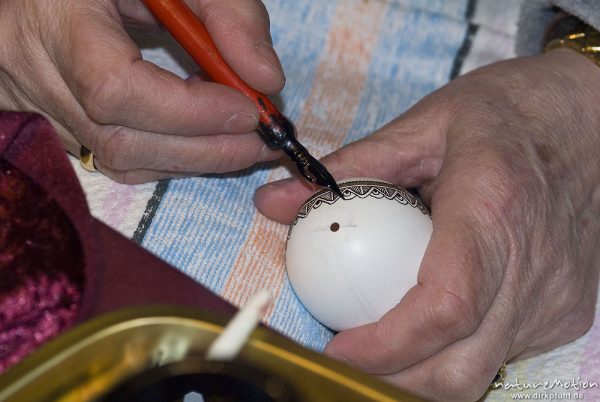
(86,159)
(498,380)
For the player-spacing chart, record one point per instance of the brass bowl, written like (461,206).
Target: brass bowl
(129,353)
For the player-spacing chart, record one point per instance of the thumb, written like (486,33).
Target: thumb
(460,274)
(455,288)
(398,153)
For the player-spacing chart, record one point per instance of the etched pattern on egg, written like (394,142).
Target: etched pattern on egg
(361,188)
(351,260)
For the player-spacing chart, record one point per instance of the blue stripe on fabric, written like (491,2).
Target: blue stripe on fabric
(299,30)
(202,223)
(453,9)
(400,73)
(405,70)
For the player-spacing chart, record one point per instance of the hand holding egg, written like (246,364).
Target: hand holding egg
(351,260)
(511,269)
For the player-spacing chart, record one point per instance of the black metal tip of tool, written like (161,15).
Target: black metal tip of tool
(280,133)
(336,189)
(324,178)
(311,168)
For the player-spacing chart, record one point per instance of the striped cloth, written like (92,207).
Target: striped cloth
(351,66)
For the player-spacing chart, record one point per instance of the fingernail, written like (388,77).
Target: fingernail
(240,122)
(284,186)
(332,353)
(275,185)
(267,154)
(267,54)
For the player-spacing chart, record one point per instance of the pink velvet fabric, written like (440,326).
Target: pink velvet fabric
(58,264)
(41,267)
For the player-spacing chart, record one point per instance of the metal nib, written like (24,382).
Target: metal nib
(320,175)
(280,133)
(311,168)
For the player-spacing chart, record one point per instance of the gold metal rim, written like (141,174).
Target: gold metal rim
(86,159)
(498,381)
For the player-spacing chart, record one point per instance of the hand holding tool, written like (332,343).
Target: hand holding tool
(274,128)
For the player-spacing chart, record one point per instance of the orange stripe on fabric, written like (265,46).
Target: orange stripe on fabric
(327,116)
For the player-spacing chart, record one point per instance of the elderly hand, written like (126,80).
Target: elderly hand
(72,61)
(507,157)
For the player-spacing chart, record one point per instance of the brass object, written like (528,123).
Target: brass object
(498,381)
(125,353)
(585,40)
(86,159)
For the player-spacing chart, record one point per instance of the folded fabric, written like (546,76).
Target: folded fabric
(58,264)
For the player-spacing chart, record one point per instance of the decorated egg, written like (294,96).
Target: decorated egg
(351,260)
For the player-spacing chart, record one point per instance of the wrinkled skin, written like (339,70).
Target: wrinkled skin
(507,157)
(73,61)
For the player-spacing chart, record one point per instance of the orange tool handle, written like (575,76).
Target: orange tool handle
(191,34)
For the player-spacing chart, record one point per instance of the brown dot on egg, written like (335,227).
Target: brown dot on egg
(334,227)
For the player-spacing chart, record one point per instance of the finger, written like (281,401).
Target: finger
(135,11)
(464,370)
(104,71)
(139,176)
(398,153)
(456,284)
(121,148)
(240,29)
(446,305)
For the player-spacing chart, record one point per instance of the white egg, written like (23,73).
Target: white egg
(351,260)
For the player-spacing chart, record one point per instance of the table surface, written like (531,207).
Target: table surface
(351,66)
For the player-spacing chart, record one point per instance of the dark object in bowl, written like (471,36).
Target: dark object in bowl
(214,381)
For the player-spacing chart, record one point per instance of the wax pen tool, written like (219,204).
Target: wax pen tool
(274,128)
